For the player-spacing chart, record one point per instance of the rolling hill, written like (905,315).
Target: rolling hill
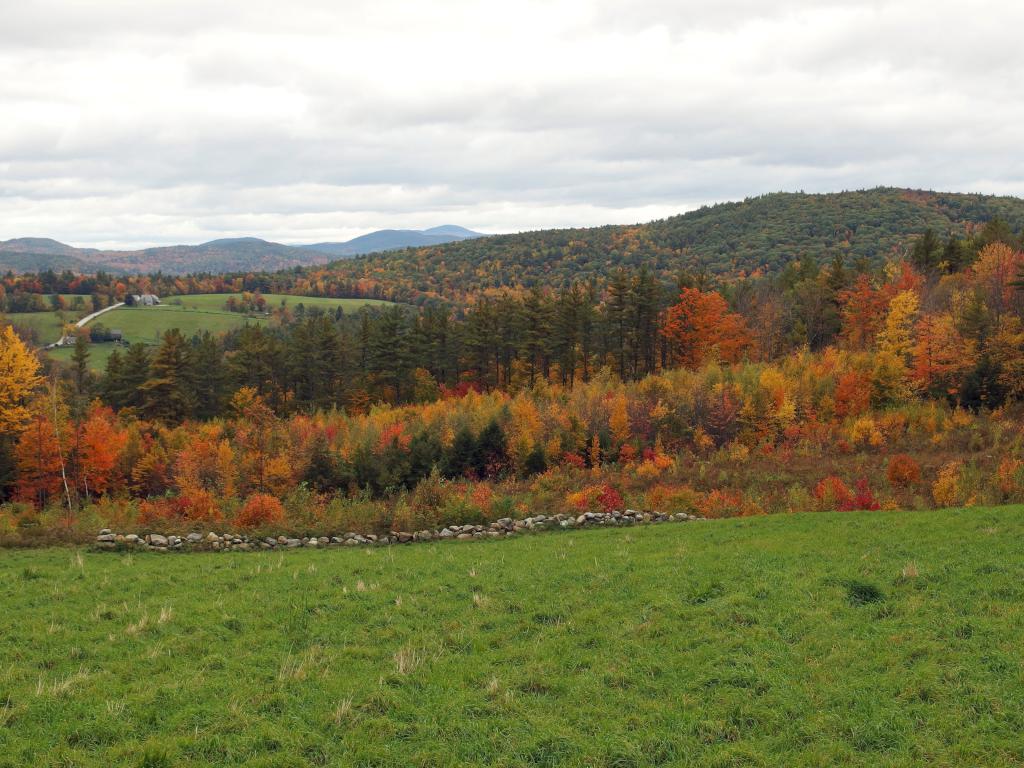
(760,233)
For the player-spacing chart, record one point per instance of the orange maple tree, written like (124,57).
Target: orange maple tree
(701,327)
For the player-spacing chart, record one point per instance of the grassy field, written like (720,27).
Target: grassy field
(98,355)
(869,639)
(194,314)
(215,301)
(48,325)
(191,315)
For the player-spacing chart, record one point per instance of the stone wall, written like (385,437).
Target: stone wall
(506,527)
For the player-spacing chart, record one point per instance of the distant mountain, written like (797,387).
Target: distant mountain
(233,254)
(242,254)
(395,239)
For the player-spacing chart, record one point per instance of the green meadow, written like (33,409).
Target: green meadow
(866,639)
(195,314)
(189,314)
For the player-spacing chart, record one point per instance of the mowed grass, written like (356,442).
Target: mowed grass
(869,639)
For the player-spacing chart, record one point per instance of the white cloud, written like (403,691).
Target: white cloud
(180,120)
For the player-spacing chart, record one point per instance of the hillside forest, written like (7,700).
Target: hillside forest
(840,385)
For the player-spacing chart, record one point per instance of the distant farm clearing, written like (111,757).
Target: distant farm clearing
(195,314)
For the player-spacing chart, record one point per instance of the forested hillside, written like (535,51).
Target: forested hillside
(762,233)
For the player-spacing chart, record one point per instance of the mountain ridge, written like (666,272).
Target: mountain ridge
(229,254)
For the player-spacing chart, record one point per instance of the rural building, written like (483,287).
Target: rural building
(145,300)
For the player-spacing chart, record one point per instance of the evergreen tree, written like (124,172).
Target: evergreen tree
(207,376)
(459,458)
(166,395)
(80,366)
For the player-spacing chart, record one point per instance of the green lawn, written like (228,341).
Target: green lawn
(869,639)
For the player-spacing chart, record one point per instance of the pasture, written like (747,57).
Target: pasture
(866,639)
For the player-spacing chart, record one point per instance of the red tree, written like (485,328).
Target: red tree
(701,326)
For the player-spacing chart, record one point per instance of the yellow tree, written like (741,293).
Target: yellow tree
(896,338)
(19,377)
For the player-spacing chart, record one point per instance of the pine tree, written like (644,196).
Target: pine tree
(166,395)
(207,376)
(80,365)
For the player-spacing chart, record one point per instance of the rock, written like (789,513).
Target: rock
(156,540)
(131,538)
(105,532)
(106,538)
(464,536)
(211,537)
(293,543)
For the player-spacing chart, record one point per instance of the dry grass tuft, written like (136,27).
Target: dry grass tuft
(408,659)
(342,711)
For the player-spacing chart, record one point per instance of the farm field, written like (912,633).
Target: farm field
(867,639)
(215,301)
(195,314)
(98,355)
(48,325)
(191,315)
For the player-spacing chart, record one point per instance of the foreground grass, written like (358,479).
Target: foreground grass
(881,639)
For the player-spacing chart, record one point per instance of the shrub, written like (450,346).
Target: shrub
(903,471)
(863,498)
(673,499)
(947,490)
(727,503)
(1010,478)
(260,510)
(595,498)
(832,494)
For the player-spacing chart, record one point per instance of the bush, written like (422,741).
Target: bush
(260,510)
(832,494)
(947,490)
(727,503)
(595,498)
(903,471)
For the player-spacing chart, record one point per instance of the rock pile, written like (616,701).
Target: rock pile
(505,527)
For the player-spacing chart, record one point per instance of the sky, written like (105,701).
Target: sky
(124,124)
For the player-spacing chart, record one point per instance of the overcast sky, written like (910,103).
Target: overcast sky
(126,123)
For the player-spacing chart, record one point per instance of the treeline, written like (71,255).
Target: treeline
(950,312)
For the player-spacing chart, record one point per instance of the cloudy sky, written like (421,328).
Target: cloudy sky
(125,123)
